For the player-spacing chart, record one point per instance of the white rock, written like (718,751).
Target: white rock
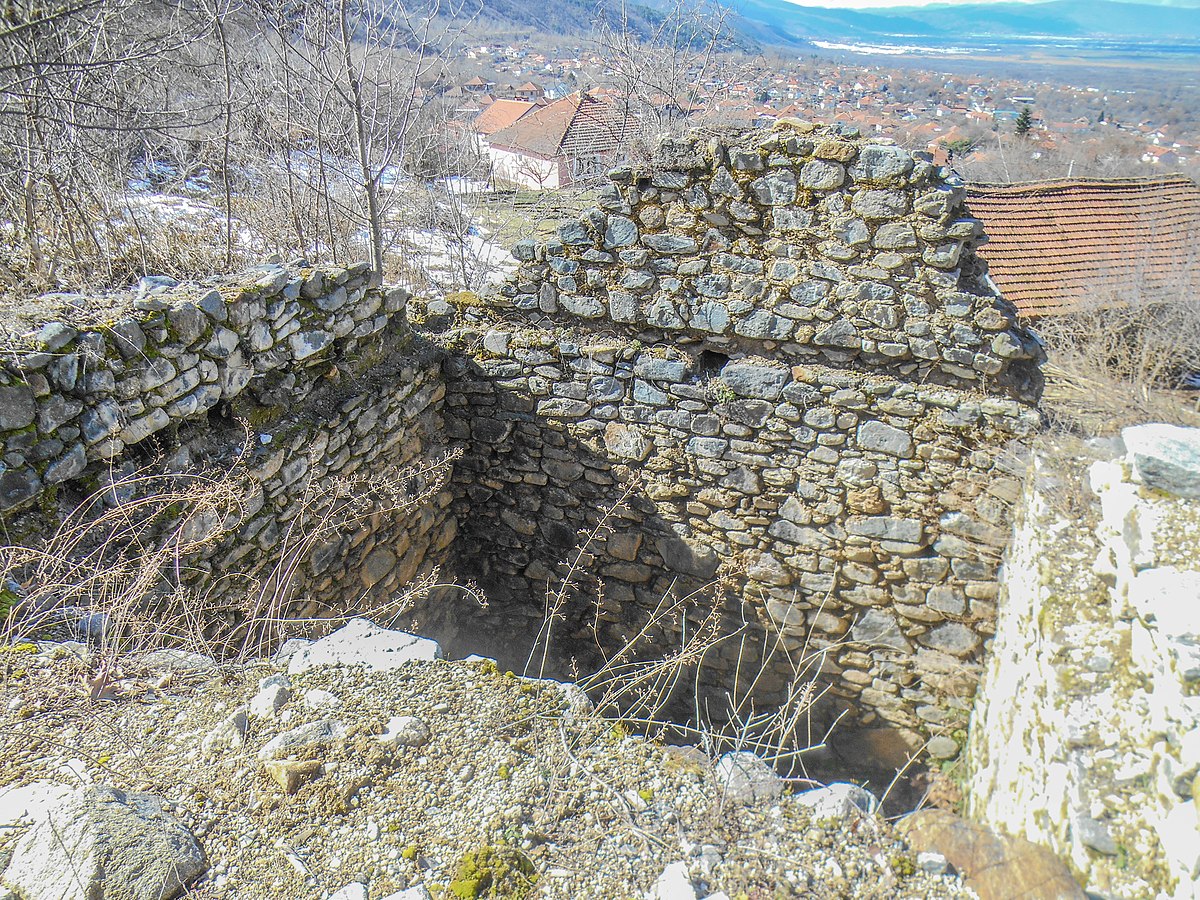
(30,803)
(317,698)
(363,643)
(177,661)
(838,801)
(1179,832)
(290,648)
(673,884)
(1166,457)
(405,731)
(99,836)
(229,734)
(420,892)
(933,863)
(270,700)
(317,733)
(1168,597)
(353,891)
(745,778)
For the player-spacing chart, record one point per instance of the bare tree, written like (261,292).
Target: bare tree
(666,71)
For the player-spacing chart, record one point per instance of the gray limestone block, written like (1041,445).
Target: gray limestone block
(68,466)
(1166,457)
(723,184)
(756,380)
(878,628)
(17,407)
(822,175)
(620,232)
(744,778)
(574,234)
(100,842)
(876,205)
(953,638)
(746,160)
(17,486)
(775,189)
(669,243)
(887,528)
(884,438)
(655,368)
(883,166)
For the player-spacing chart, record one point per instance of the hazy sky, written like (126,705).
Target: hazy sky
(879,4)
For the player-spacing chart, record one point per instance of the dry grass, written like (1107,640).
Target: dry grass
(133,560)
(1113,365)
(650,686)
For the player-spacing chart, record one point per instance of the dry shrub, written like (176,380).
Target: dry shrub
(131,561)
(652,679)
(1111,365)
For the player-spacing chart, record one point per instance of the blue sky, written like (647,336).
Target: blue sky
(881,4)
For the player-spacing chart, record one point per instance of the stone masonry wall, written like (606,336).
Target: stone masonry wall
(1086,734)
(779,354)
(320,362)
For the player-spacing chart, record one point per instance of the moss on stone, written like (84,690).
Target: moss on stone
(493,871)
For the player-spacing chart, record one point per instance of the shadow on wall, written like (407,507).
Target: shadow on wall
(658,532)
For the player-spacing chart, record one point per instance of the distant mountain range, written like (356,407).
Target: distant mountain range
(775,22)
(778,21)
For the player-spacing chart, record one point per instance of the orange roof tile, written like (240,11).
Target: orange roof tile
(501,114)
(1058,244)
(579,123)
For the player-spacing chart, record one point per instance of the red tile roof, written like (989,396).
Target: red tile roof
(501,114)
(577,124)
(1055,245)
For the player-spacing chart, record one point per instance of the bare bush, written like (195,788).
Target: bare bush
(1113,363)
(130,561)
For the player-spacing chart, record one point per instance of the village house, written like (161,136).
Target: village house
(556,145)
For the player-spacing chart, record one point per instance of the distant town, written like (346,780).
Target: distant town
(539,114)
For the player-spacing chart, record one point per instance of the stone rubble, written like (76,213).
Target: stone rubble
(426,764)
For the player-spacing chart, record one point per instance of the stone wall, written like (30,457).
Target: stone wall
(766,377)
(778,358)
(321,365)
(1086,734)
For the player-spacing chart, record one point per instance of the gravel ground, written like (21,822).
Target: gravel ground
(507,766)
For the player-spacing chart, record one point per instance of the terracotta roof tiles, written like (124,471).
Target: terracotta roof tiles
(501,114)
(1060,244)
(579,123)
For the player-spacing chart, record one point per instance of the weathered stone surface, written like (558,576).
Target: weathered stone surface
(875,205)
(363,643)
(887,528)
(742,777)
(882,166)
(820,175)
(884,438)
(1166,457)
(621,232)
(839,801)
(756,380)
(626,442)
(17,407)
(775,189)
(994,866)
(319,734)
(103,842)
(878,628)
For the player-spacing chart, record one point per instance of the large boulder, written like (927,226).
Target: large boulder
(363,643)
(100,843)
(995,866)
